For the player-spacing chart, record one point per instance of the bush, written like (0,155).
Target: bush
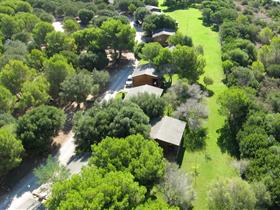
(152,105)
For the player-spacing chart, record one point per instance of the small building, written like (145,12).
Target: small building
(145,75)
(153,9)
(162,36)
(143,89)
(168,132)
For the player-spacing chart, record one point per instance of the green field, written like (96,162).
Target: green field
(219,164)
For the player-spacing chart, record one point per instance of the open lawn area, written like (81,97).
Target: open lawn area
(216,164)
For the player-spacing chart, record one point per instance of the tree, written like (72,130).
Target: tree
(34,93)
(7,100)
(13,50)
(266,35)
(187,63)
(9,26)
(14,74)
(40,32)
(93,189)
(70,26)
(101,78)
(51,171)
(156,204)
(89,37)
(274,99)
(37,127)
(140,13)
(235,105)
(150,51)
(85,16)
(180,39)
(231,194)
(78,87)
(57,70)
(11,150)
(241,76)
(268,172)
(115,119)
(58,41)
(6,119)
(91,60)
(251,144)
(143,158)
(155,22)
(152,105)
(119,36)
(177,187)
(28,20)
(36,59)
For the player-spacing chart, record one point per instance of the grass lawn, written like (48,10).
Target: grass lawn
(219,164)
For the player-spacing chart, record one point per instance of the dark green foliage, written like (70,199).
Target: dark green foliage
(195,139)
(251,144)
(241,76)
(115,119)
(154,22)
(40,32)
(152,105)
(140,14)
(180,39)
(37,127)
(10,150)
(6,119)
(91,60)
(143,158)
(93,189)
(235,104)
(85,16)
(78,87)
(265,166)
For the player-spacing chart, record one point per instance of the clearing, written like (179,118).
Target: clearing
(210,164)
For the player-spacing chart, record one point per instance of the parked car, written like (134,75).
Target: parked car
(129,82)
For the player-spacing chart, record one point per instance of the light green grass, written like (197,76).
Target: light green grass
(220,164)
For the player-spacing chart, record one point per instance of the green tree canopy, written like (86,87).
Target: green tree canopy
(34,93)
(14,74)
(57,70)
(152,105)
(187,63)
(231,194)
(58,41)
(10,150)
(37,127)
(119,36)
(78,87)
(143,158)
(156,22)
(93,189)
(7,100)
(70,26)
(40,32)
(51,171)
(115,119)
